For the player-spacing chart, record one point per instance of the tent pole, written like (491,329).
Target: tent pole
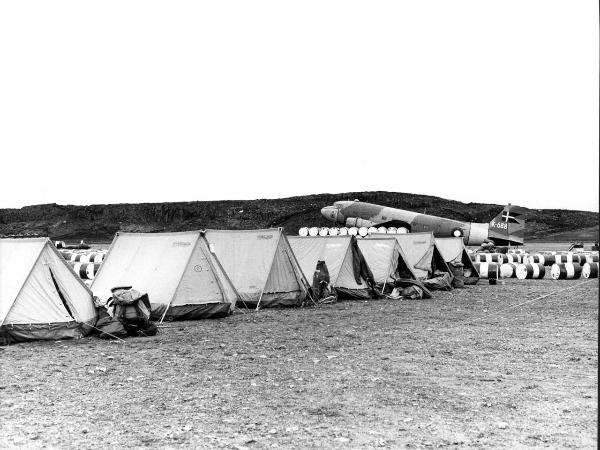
(270,269)
(207,244)
(180,279)
(389,274)
(297,281)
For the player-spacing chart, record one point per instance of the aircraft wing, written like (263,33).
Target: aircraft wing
(394,223)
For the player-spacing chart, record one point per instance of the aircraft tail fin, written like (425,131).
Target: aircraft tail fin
(508,227)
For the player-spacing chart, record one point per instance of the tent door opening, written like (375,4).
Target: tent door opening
(60,294)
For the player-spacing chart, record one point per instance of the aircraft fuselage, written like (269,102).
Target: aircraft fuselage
(349,213)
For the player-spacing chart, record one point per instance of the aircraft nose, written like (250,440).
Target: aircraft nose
(329,212)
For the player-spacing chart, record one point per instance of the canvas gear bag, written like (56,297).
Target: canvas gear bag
(132,309)
(320,287)
(107,327)
(441,281)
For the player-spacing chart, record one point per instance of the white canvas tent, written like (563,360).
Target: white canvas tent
(40,295)
(422,254)
(455,254)
(183,279)
(349,272)
(386,259)
(261,265)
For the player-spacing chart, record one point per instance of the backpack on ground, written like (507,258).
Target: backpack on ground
(132,309)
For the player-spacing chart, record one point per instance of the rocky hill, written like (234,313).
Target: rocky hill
(100,222)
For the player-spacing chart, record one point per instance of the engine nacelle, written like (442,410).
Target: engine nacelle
(358,222)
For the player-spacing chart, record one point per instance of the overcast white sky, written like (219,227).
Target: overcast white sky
(151,101)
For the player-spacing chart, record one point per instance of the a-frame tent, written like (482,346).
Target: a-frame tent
(183,279)
(40,295)
(422,254)
(261,265)
(349,272)
(386,259)
(455,254)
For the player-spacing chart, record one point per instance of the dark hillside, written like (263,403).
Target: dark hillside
(100,222)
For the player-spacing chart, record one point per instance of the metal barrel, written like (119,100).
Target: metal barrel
(590,270)
(588,258)
(565,271)
(535,259)
(490,257)
(530,271)
(85,270)
(508,270)
(487,270)
(568,258)
(515,258)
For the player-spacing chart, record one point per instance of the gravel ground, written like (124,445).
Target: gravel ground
(458,370)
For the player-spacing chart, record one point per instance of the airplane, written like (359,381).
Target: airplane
(507,228)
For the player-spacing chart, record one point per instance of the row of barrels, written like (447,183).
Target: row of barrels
(84,263)
(85,270)
(351,231)
(574,258)
(543,259)
(497,258)
(83,257)
(527,271)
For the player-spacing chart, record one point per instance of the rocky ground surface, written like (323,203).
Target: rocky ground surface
(487,366)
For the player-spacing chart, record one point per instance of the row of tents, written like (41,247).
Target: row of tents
(205,274)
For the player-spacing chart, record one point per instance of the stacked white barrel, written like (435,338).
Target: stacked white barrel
(565,271)
(530,271)
(488,258)
(588,258)
(510,258)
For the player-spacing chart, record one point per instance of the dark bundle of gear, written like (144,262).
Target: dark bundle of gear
(130,316)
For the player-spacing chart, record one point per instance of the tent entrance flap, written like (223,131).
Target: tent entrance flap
(60,294)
